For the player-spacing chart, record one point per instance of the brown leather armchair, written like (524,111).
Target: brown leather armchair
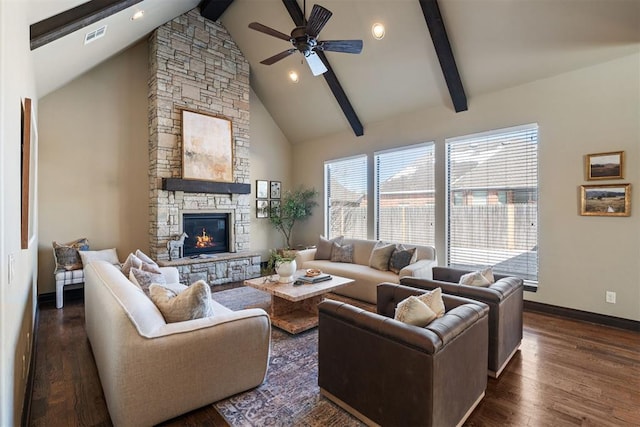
(389,373)
(504,299)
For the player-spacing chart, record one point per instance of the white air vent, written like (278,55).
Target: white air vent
(95,35)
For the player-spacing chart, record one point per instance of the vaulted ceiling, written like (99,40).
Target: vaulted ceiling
(496,44)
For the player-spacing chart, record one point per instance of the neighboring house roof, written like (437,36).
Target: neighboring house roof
(341,195)
(414,178)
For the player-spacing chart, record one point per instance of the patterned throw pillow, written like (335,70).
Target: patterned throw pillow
(144,276)
(324,247)
(342,253)
(414,312)
(434,300)
(192,303)
(66,255)
(144,257)
(401,257)
(380,256)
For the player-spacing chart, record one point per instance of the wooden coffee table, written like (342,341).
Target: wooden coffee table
(295,308)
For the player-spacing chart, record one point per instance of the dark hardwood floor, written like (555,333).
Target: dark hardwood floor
(567,373)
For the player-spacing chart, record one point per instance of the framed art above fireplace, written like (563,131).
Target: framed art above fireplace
(207,147)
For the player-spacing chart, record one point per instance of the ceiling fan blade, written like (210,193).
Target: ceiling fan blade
(267,30)
(345,46)
(278,57)
(317,20)
(316,64)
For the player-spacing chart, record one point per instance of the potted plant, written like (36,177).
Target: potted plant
(294,206)
(284,263)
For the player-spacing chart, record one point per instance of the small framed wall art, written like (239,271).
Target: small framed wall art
(275,189)
(605,200)
(274,208)
(604,165)
(262,189)
(262,209)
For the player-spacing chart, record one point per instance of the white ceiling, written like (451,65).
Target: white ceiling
(496,43)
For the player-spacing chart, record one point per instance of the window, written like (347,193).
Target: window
(346,197)
(495,222)
(404,185)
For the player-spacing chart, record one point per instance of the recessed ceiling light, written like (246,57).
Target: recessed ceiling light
(377,30)
(139,14)
(294,76)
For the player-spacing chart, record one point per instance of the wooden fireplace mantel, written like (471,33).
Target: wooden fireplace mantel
(199,186)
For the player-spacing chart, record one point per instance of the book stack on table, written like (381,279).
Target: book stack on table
(315,279)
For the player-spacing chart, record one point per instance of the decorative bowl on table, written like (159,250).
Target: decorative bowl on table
(312,272)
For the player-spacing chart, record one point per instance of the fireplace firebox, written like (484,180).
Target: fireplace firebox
(207,233)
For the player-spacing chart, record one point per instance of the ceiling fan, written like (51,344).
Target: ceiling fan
(305,40)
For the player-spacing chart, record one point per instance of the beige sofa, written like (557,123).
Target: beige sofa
(367,278)
(152,371)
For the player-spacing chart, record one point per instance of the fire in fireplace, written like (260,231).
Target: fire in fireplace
(208,233)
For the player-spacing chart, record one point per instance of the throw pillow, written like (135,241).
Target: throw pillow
(146,275)
(487,273)
(433,299)
(401,257)
(144,258)
(414,312)
(109,255)
(342,253)
(324,247)
(380,256)
(192,303)
(475,278)
(66,255)
(132,261)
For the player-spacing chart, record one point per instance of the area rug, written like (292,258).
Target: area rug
(290,395)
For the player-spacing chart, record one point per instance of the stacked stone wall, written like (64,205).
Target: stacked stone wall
(194,65)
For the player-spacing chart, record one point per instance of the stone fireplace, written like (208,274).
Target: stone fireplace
(195,65)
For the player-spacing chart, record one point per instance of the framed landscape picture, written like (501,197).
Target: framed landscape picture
(207,147)
(605,200)
(605,165)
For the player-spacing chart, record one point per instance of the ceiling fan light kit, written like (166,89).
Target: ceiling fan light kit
(304,39)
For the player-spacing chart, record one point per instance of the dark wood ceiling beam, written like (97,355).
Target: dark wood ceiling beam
(213,9)
(432,15)
(330,77)
(62,24)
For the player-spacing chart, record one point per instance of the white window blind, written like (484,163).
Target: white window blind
(346,197)
(404,185)
(492,191)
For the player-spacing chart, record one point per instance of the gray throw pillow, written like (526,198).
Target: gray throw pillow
(324,247)
(402,257)
(342,253)
(144,276)
(380,255)
(66,254)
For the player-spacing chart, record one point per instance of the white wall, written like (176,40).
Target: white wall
(270,160)
(94,161)
(17,298)
(591,110)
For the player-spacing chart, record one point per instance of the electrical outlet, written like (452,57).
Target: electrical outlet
(610,297)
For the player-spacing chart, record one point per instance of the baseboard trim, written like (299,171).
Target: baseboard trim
(586,316)
(69,294)
(26,405)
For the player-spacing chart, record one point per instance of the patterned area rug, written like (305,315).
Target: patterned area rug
(290,394)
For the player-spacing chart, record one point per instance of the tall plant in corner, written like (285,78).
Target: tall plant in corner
(294,206)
